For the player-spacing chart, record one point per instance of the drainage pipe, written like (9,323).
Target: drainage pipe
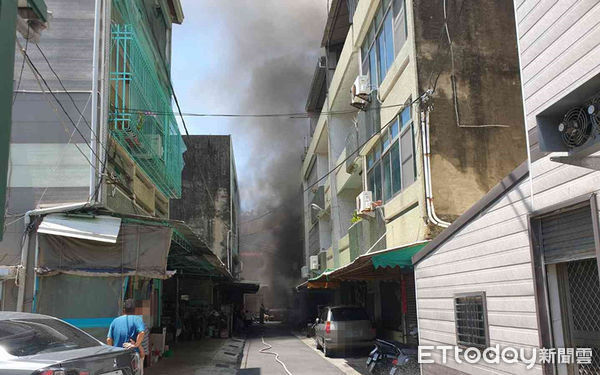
(431,215)
(95,174)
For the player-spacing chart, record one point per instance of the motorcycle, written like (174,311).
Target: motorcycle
(393,358)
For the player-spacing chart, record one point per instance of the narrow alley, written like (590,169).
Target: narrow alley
(299,187)
(297,353)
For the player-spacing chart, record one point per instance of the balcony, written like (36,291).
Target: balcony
(364,234)
(141,119)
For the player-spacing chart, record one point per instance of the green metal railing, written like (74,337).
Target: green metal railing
(142,120)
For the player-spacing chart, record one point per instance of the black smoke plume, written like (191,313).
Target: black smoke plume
(266,52)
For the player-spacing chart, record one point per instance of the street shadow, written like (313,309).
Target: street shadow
(249,371)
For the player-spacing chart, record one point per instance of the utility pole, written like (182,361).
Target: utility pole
(8,31)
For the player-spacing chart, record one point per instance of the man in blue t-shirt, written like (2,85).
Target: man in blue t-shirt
(127,331)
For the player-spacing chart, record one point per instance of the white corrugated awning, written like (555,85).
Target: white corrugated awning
(96,228)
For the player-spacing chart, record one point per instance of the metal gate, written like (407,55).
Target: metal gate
(584,311)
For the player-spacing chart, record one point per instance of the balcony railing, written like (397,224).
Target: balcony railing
(141,118)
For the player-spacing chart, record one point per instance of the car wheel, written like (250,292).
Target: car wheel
(326,351)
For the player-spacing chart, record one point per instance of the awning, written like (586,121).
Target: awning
(189,254)
(100,228)
(139,250)
(244,286)
(322,284)
(381,265)
(397,258)
(323,275)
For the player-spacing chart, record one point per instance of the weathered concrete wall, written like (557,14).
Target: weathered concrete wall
(468,161)
(206,190)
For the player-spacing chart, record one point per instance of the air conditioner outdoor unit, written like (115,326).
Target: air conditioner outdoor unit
(360,91)
(322,62)
(364,202)
(314,262)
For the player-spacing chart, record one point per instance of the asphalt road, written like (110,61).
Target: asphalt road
(299,358)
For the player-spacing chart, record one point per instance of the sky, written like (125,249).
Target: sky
(250,56)
(255,57)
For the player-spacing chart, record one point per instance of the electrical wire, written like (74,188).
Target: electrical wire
(292,115)
(71,98)
(258,217)
(267,350)
(167,73)
(350,155)
(38,74)
(22,67)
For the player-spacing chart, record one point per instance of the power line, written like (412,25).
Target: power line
(22,67)
(30,65)
(334,169)
(292,115)
(38,74)
(71,97)
(102,163)
(168,74)
(258,217)
(178,108)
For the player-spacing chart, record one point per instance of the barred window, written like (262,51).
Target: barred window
(471,320)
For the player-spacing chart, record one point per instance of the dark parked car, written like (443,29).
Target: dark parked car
(34,344)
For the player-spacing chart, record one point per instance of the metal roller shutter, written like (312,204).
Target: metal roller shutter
(568,236)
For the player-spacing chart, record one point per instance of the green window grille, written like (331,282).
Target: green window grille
(142,120)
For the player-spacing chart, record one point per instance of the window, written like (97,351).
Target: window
(471,320)
(391,163)
(346,314)
(24,337)
(385,38)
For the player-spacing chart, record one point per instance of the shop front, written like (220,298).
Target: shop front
(383,283)
(86,265)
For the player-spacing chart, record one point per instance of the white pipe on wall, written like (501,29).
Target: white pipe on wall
(22,270)
(95,173)
(431,215)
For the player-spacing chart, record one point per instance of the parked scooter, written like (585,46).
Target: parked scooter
(393,358)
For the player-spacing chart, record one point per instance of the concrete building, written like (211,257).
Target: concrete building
(210,199)
(440,122)
(526,256)
(96,157)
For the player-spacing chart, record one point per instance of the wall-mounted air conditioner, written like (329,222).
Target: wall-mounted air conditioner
(364,202)
(322,62)
(360,92)
(314,262)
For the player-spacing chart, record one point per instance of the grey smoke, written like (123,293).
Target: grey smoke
(262,54)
